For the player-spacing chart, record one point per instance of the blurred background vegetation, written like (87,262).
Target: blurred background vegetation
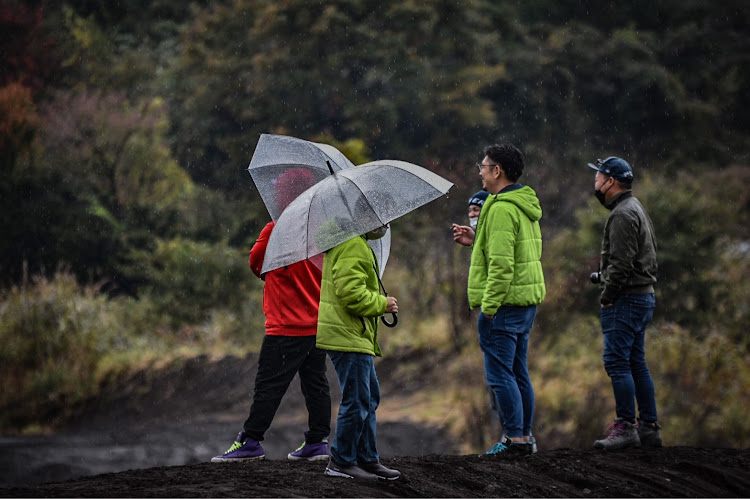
(127,214)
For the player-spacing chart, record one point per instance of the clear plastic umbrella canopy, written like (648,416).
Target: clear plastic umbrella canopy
(283,167)
(349,203)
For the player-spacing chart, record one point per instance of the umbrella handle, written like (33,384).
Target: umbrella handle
(382,317)
(390,324)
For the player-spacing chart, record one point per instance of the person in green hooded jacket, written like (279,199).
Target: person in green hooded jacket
(507,282)
(350,304)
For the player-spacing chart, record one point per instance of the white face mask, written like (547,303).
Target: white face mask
(377,233)
(473,222)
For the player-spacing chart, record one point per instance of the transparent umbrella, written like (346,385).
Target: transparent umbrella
(283,167)
(349,203)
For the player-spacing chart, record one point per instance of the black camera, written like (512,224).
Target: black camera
(596,277)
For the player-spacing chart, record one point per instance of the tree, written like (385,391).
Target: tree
(398,76)
(102,185)
(18,121)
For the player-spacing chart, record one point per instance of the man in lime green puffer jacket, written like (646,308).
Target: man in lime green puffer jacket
(350,304)
(507,282)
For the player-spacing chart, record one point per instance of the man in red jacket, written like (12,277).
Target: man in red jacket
(290,302)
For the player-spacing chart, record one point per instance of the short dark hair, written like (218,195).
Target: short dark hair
(508,157)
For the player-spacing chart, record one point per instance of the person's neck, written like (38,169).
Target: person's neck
(502,184)
(613,192)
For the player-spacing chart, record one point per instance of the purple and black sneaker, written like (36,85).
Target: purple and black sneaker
(243,449)
(311,452)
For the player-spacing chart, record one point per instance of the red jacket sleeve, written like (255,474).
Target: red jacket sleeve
(258,251)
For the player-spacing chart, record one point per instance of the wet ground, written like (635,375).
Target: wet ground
(33,460)
(179,415)
(667,472)
(152,433)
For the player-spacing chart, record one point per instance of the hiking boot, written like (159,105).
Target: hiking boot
(532,443)
(380,471)
(621,435)
(310,452)
(243,449)
(334,469)
(649,433)
(508,448)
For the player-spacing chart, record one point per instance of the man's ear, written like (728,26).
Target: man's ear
(499,171)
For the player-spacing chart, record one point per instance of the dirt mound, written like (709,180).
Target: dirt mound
(667,472)
(184,413)
(164,423)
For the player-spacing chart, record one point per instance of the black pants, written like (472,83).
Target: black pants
(281,357)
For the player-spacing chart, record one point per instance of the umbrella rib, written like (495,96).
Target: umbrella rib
(422,179)
(307,226)
(367,201)
(413,174)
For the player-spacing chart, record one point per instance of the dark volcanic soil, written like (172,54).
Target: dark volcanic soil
(667,472)
(163,425)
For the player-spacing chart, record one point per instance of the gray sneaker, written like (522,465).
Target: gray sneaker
(621,436)
(334,469)
(649,433)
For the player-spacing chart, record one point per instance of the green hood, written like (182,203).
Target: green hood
(526,200)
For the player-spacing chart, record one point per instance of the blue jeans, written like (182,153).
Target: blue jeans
(360,396)
(624,329)
(504,340)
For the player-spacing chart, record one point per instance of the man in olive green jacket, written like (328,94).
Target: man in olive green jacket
(627,274)
(507,282)
(350,304)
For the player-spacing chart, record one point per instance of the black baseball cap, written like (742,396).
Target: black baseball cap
(614,167)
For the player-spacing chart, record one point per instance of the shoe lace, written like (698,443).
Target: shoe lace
(497,448)
(234,447)
(615,430)
(324,441)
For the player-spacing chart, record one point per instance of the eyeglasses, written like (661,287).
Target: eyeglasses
(480,166)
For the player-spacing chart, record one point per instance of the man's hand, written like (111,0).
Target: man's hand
(463,234)
(392,306)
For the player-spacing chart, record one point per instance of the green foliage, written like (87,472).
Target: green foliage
(190,279)
(53,334)
(688,372)
(59,339)
(698,224)
(574,395)
(131,171)
(104,187)
(394,74)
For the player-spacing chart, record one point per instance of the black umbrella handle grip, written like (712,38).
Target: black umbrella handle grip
(390,324)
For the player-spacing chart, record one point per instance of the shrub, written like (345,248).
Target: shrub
(52,335)
(60,338)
